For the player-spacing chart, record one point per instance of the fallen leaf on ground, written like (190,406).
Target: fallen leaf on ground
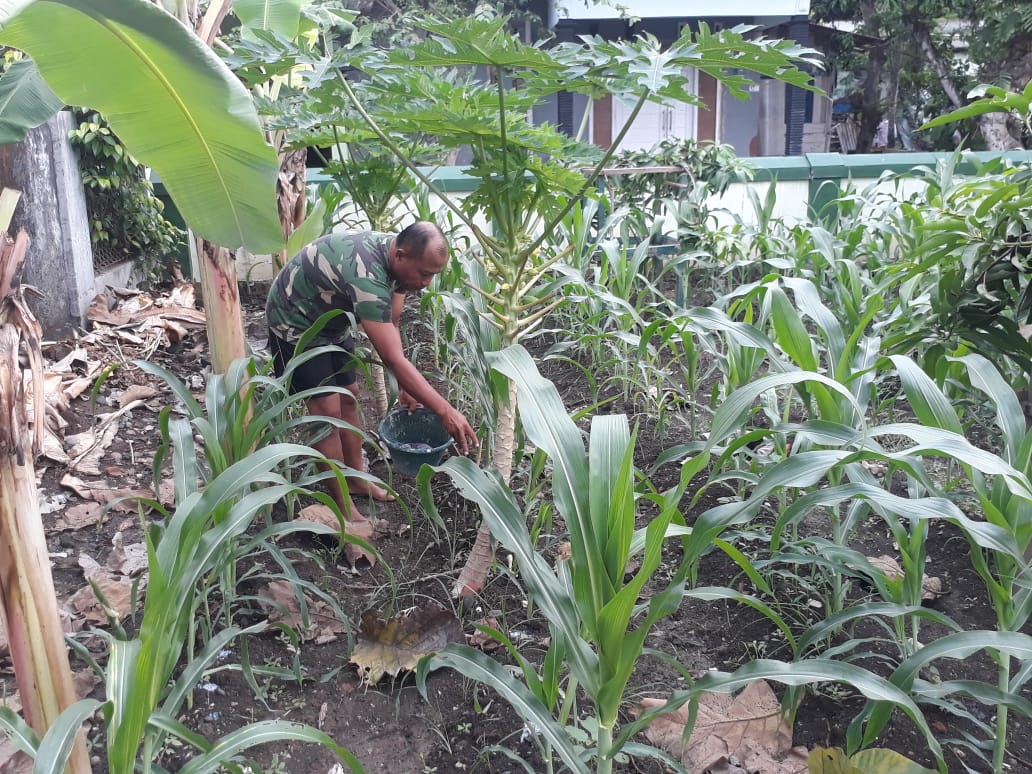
(127,559)
(320,514)
(363,530)
(103,494)
(117,590)
(280,599)
(391,646)
(87,448)
(137,392)
(747,729)
(167,492)
(483,640)
(78,517)
(931,587)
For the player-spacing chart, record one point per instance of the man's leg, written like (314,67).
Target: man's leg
(351,446)
(331,447)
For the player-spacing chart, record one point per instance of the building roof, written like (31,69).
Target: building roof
(645,9)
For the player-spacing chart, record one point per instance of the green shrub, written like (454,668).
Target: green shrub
(126,218)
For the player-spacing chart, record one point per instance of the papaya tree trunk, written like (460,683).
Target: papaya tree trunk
(473,575)
(379,380)
(28,601)
(290,195)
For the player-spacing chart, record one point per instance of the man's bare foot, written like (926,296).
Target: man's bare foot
(364,488)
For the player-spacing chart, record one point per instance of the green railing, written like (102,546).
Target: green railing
(825,173)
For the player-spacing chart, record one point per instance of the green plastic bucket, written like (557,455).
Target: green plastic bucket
(414,438)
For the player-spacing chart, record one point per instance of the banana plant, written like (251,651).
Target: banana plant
(529,177)
(174,104)
(28,602)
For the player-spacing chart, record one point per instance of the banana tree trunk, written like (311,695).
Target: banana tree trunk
(473,575)
(221,295)
(28,602)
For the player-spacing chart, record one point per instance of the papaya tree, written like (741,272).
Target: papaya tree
(528,177)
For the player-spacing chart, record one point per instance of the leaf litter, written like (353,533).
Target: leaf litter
(389,647)
(732,734)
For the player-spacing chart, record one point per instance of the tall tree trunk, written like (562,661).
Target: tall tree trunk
(871,113)
(992,125)
(28,601)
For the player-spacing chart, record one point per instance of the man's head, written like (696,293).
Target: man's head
(418,253)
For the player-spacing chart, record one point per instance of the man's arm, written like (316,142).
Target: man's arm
(386,339)
(397,305)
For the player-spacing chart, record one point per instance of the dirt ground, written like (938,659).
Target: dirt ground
(390,727)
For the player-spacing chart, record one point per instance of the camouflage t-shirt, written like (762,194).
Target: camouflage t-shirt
(336,272)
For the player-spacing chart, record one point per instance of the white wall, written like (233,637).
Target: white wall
(585,9)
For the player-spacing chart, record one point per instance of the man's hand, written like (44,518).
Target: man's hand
(406,400)
(460,429)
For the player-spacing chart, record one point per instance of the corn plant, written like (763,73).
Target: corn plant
(592,611)
(1003,492)
(143,694)
(244,410)
(596,623)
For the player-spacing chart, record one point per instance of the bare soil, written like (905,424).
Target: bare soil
(390,727)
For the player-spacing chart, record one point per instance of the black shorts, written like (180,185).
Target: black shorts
(337,368)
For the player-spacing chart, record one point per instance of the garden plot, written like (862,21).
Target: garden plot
(303,669)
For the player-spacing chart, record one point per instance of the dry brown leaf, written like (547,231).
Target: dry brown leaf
(129,559)
(117,591)
(69,363)
(103,494)
(184,295)
(13,760)
(931,587)
(78,517)
(167,492)
(135,392)
(482,640)
(746,730)
(320,514)
(86,449)
(363,530)
(565,551)
(53,447)
(280,599)
(389,647)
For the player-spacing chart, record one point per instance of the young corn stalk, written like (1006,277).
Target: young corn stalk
(527,176)
(28,602)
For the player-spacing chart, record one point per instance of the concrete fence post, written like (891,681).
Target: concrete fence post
(52,210)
